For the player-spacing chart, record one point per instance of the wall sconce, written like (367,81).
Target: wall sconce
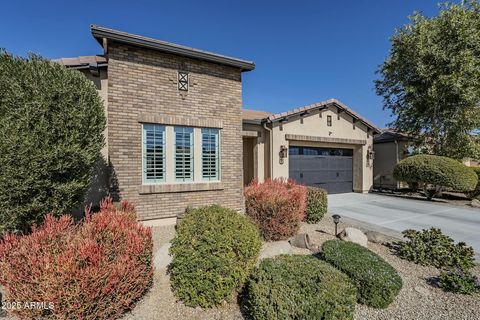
(370,156)
(283,153)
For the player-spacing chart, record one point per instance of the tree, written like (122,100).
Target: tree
(51,134)
(431,80)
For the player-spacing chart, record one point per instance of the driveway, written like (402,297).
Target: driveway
(398,214)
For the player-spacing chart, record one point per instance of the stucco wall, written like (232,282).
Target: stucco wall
(142,88)
(316,125)
(387,155)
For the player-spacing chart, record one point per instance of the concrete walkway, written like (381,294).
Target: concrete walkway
(398,214)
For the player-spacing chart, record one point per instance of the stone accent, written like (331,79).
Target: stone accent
(180,187)
(354,235)
(248,133)
(140,89)
(298,137)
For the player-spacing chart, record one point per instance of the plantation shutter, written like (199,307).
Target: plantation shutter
(153,137)
(210,154)
(183,154)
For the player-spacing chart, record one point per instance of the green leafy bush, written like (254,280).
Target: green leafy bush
(377,282)
(437,172)
(213,252)
(51,134)
(433,248)
(476,193)
(459,281)
(299,287)
(317,204)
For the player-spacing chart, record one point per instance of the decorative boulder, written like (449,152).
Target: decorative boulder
(276,248)
(475,203)
(354,235)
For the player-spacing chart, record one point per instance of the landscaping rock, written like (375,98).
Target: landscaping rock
(377,237)
(276,248)
(475,203)
(354,235)
(161,258)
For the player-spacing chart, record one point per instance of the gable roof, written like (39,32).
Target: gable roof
(323,105)
(100,33)
(83,62)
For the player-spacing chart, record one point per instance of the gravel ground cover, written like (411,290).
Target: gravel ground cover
(417,299)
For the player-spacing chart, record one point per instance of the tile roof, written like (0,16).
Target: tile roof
(390,134)
(318,105)
(82,61)
(248,114)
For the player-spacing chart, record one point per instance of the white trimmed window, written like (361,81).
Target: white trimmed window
(153,153)
(183,154)
(210,154)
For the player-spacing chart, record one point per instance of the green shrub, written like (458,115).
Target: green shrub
(317,204)
(459,281)
(476,193)
(433,248)
(437,172)
(377,281)
(51,134)
(299,287)
(213,252)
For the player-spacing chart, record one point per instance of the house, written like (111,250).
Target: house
(325,144)
(390,147)
(176,134)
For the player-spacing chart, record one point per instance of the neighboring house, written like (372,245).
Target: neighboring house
(174,131)
(325,144)
(390,147)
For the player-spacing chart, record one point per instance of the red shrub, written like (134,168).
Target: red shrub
(95,270)
(277,206)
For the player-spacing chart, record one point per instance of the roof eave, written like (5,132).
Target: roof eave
(100,32)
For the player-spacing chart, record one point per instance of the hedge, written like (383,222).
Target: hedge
(51,134)
(435,171)
(377,281)
(299,287)
(213,252)
(317,204)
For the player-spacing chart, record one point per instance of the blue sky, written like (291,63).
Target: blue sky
(305,51)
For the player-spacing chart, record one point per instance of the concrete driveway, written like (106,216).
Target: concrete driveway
(398,214)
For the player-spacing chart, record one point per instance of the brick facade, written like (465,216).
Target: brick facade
(144,82)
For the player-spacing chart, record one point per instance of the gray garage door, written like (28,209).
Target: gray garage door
(326,168)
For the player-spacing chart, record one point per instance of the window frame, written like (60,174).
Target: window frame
(329,121)
(217,160)
(145,180)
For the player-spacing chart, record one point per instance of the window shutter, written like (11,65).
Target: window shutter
(210,154)
(153,137)
(183,154)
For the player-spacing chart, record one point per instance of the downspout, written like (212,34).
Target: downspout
(271,148)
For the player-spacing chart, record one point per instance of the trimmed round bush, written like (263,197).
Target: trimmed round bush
(435,171)
(277,206)
(299,287)
(97,269)
(51,129)
(213,251)
(378,283)
(317,204)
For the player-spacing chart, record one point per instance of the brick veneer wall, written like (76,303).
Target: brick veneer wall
(143,81)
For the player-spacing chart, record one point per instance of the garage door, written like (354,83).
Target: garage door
(326,168)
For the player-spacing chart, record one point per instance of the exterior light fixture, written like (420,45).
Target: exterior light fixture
(336,220)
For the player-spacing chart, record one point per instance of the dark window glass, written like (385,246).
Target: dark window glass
(329,121)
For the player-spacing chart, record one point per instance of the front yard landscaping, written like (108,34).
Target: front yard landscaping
(418,299)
